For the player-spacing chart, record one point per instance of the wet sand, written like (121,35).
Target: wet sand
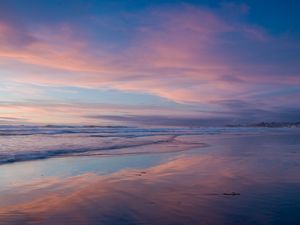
(214,179)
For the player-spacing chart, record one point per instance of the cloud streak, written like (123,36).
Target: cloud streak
(184,53)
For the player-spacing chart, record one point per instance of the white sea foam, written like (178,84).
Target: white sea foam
(20,143)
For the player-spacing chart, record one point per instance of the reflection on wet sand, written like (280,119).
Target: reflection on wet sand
(187,189)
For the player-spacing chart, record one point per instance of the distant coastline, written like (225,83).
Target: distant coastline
(268,124)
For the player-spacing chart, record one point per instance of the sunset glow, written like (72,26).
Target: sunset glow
(85,61)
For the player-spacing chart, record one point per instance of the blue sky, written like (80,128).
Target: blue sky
(212,62)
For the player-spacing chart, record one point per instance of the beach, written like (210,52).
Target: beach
(162,112)
(228,177)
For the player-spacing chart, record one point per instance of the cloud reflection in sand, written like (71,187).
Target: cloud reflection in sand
(188,188)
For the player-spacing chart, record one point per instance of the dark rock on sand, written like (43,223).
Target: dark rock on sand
(232,193)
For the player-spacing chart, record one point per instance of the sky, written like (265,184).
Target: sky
(166,63)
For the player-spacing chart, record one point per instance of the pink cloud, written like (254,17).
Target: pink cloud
(178,58)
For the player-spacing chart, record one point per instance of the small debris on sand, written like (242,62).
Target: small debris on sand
(141,173)
(232,193)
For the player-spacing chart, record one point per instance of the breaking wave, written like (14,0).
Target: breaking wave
(22,143)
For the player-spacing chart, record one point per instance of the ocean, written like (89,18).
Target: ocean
(132,175)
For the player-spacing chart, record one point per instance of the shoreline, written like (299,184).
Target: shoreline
(220,182)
